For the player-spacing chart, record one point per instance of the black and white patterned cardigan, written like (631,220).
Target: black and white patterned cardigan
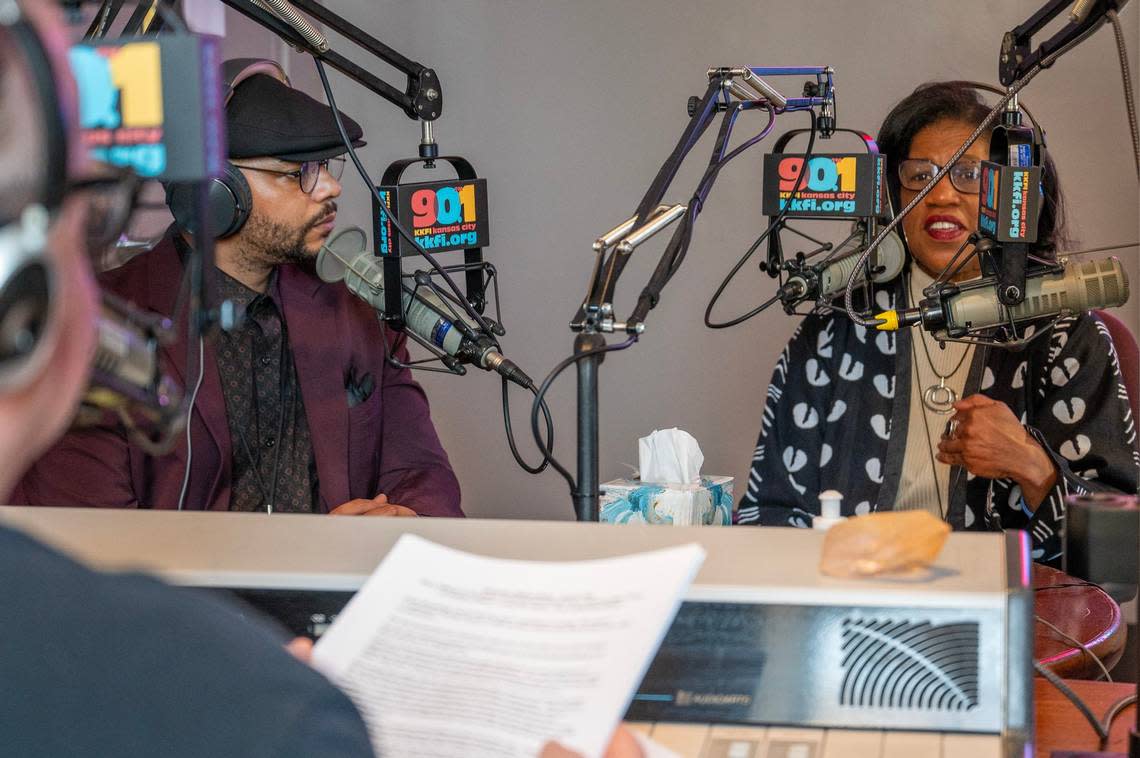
(837,410)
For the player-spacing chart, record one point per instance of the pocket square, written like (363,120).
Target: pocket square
(360,390)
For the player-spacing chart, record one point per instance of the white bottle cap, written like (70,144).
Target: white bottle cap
(830,513)
(829,504)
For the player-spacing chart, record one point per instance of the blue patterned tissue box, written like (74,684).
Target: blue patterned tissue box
(629,501)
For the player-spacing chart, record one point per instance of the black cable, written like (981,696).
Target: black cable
(773,227)
(511,436)
(679,244)
(540,395)
(1064,689)
(611,270)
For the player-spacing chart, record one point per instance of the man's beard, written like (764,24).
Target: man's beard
(270,242)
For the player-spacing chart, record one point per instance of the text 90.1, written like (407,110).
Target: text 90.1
(447,205)
(823,174)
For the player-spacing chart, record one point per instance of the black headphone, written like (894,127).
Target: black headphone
(228,199)
(27,279)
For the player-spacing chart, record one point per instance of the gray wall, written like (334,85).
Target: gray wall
(569,107)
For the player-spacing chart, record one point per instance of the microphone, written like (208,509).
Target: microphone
(1070,288)
(825,281)
(345,257)
(127,378)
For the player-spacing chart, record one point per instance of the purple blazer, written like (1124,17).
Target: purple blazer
(385,444)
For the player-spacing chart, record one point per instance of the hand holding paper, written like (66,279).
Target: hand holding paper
(459,656)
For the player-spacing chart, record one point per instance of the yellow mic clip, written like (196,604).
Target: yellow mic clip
(888,321)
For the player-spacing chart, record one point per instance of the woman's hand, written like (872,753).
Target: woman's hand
(986,439)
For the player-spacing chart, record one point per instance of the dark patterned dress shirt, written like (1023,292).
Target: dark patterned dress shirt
(272,449)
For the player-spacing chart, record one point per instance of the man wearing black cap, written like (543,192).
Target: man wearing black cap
(296,409)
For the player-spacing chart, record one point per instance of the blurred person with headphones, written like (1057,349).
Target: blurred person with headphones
(96,664)
(295,409)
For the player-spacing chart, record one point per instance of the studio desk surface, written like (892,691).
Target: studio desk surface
(977,573)
(339,553)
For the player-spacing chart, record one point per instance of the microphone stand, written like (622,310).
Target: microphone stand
(595,317)
(588,496)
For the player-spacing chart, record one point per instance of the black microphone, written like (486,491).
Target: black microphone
(825,281)
(1068,289)
(345,257)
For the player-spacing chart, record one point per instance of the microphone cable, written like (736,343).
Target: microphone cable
(189,410)
(773,228)
(679,245)
(548,445)
(539,403)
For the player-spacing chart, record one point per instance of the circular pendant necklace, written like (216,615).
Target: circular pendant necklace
(937,398)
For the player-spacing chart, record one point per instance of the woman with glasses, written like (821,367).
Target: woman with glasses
(981,437)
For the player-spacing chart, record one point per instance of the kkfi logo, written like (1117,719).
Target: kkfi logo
(445,216)
(120,104)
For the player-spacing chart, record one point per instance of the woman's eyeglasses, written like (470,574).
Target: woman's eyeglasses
(965,175)
(309,172)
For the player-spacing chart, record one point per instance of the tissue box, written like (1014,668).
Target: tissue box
(629,501)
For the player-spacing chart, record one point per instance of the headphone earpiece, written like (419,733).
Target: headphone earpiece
(229,199)
(27,277)
(228,203)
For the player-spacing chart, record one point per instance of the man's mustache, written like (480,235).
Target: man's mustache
(327,210)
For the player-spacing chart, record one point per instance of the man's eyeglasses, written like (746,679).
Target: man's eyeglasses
(916,173)
(309,172)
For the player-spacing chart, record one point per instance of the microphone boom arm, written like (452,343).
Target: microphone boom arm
(1016,58)
(422,97)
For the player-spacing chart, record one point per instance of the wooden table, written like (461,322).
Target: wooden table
(1081,610)
(1060,726)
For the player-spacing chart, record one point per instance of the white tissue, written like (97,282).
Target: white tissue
(670,456)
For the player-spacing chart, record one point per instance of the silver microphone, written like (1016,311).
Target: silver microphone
(974,307)
(817,283)
(345,258)
(127,377)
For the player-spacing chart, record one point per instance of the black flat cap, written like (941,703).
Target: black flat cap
(267,117)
